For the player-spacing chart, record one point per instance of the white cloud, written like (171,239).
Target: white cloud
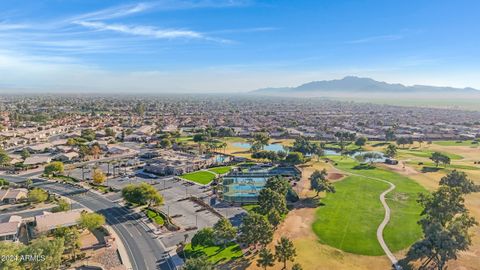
(114,12)
(147,31)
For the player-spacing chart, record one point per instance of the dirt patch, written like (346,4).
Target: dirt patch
(335,176)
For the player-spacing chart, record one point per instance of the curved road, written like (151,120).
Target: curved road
(144,250)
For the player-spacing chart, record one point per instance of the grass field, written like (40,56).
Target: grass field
(221,170)
(155,217)
(424,153)
(215,254)
(350,217)
(456,143)
(201,177)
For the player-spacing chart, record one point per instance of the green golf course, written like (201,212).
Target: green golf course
(349,218)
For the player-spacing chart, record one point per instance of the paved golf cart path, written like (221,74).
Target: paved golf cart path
(386,218)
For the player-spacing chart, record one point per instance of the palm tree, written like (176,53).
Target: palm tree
(224,146)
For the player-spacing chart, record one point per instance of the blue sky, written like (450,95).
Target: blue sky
(234,45)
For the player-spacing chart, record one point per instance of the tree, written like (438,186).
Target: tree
(265,258)
(165,143)
(109,132)
(142,194)
(37,195)
(28,183)
(269,200)
(71,238)
(83,151)
(198,263)
(281,154)
(224,232)
(438,157)
(203,237)
(88,134)
(403,140)
(389,134)
(139,108)
(274,218)
(261,139)
(54,167)
(98,176)
(369,156)
(91,221)
(391,151)
(445,223)
(255,230)
(304,146)
(25,154)
(361,141)
(4,158)
(95,151)
(62,205)
(295,158)
(460,180)
(71,142)
(49,251)
(10,250)
(297,266)
(285,251)
(344,138)
(278,184)
(320,183)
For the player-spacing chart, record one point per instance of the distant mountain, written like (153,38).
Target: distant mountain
(352,86)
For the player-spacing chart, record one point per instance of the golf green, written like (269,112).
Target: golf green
(349,218)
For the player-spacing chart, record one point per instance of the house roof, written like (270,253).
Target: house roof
(40,147)
(13,193)
(9,228)
(49,221)
(37,160)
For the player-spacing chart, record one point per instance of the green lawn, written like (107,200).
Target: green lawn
(427,153)
(336,146)
(441,167)
(201,177)
(215,254)
(155,217)
(456,143)
(221,170)
(184,139)
(251,208)
(350,217)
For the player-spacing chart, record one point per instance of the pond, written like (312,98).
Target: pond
(271,147)
(327,152)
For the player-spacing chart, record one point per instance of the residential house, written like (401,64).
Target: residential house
(64,157)
(9,231)
(50,221)
(37,160)
(13,195)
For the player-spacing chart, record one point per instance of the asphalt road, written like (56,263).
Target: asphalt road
(145,251)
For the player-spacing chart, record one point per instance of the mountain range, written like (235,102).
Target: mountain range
(352,86)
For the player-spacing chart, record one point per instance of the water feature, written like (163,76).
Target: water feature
(271,147)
